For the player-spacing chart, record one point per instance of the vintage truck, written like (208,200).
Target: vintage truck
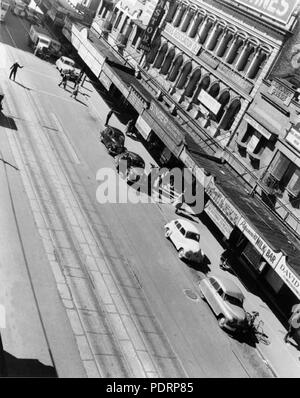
(43,43)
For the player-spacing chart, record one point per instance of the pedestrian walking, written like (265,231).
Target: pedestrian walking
(75,92)
(109,115)
(14,69)
(294,324)
(129,128)
(63,80)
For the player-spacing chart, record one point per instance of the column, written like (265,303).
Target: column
(194,25)
(231,54)
(255,63)
(243,57)
(186,20)
(178,15)
(212,39)
(203,30)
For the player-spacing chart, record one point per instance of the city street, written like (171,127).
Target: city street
(104,290)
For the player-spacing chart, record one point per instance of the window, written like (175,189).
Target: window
(279,166)
(182,230)
(137,36)
(294,184)
(193,236)
(233,300)
(118,20)
(214,283)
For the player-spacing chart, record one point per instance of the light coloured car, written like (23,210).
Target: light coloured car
(226,300)
(65,64)
(186,238)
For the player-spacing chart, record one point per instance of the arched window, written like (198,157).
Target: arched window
(256,64)
(184,75)
(244,56)
(230,114)
(214,90)
(195,26)
(234,49)
(150,57)
(187,20)
(160,56)
(118,20)
(224,43)
(175,68)
(168,61)
(223,99)
(214,36)
(204,30)
(204,84)
(179,17)
(191,86)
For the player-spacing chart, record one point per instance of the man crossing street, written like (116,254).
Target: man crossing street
(14,69)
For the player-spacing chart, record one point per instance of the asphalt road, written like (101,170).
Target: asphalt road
(120,282)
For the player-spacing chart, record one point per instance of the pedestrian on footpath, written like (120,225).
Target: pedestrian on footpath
(109,115)
(14,69)
(130,128)
(294,323)
(63,81)
(75,92)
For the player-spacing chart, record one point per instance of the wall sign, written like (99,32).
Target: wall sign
(218,219)
(260,245)
(209,101)
(293,137)
(155,19)
(288,276)
(222,203)
(281,10)
(190,44)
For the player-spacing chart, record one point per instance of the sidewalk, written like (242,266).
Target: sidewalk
(283,359)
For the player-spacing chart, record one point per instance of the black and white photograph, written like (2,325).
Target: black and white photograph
(150,192)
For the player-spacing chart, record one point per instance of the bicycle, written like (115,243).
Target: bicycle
(256,327)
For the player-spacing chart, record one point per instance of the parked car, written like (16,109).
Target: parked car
(226,300)
(113,139)
(131,165)
(65,64)
(186,238)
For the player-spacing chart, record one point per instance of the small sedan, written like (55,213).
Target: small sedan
(226,300)
(131,165)
(113,139)
(186,238)
(65,64)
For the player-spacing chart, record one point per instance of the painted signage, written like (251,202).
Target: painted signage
(209,101)
(218,219)
(281,92)
(293,137)
(223,204)
(189,44)
(288,276)
(235,78)
(143,127)
(281,10)
(155,19)
(136,101)
(260,245)
(170,127)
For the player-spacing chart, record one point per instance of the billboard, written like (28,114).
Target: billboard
(281,10)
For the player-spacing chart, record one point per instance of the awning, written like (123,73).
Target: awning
(266,224)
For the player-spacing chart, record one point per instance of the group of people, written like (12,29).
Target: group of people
(64,80)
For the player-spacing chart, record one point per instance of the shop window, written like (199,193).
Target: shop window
(175,69)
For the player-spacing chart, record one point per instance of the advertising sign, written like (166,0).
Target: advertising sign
(288,276)
(281,10)
(209,101)
(152,25)
(218,219)
(260,245)
(293,137)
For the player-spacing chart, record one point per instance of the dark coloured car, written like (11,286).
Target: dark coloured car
(131,165)
(113,139)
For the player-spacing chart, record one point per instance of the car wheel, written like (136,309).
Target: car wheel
(181,253)
(167,233)
(221,321)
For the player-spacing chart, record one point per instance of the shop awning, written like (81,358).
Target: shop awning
(267,225)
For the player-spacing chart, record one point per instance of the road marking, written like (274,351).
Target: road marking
(13,42)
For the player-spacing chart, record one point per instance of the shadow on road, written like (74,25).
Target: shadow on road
(7,122)
(18,367)
(22,85)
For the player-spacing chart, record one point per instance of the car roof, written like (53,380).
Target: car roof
(187,225)
(229,287)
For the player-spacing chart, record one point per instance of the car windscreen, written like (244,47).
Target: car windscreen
(233,300)
(137,162)
(193,236)
(70,63)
